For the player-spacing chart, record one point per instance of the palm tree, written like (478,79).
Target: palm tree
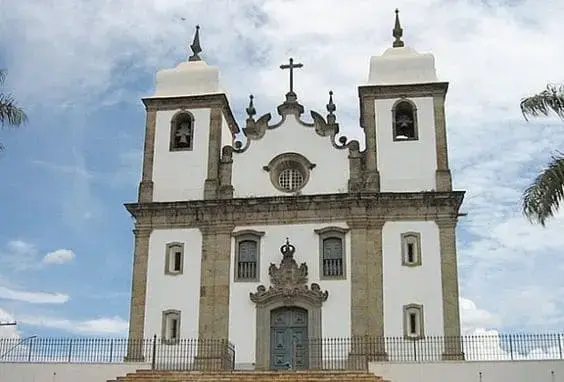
(542,199)
(10,113)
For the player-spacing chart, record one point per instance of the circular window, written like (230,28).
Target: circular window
(290,179)
(289,172)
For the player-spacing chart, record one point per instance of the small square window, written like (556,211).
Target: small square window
(413,321)
(411,249)
(171,327)
(174,258)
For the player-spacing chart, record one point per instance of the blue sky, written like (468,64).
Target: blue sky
(80,68)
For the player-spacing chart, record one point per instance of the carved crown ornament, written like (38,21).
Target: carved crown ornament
(288,282)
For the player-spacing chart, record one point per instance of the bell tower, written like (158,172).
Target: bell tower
(403,116)
(188,150)
(188,123)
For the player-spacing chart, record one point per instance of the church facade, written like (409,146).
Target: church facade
(283,230)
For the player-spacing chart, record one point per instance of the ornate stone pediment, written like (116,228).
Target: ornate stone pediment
(289,281)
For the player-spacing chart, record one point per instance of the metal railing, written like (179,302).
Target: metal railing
(181,354)
(355,352)
(352,353)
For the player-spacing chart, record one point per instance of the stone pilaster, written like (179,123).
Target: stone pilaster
(225,173)
(368,119)
(214,154)
(145,194)
(449,276)
(443,177)
(214,282)
(138,296)
(213,322)
(367,289)
(355,168)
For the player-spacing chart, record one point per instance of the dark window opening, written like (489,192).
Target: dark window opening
(404,121)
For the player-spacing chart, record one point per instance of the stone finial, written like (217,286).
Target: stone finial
(195,46)
(331,107)
(251,111)
(397,32)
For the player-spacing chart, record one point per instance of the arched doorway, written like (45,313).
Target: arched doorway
(288,338)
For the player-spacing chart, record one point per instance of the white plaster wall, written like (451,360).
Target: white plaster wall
(406,166)
(180,175)
(180,292)
(66,372)
(407,285)
(335,311)
(492,371)
(330,175)
(402,65)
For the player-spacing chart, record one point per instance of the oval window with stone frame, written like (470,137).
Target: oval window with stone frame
(289,172)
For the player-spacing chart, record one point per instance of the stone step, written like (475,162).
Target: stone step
(249,376)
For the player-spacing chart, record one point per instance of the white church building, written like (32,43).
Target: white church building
(282,244)
(283,231)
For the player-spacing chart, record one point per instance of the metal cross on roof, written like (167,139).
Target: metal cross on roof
(291,66)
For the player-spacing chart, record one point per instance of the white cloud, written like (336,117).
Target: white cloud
(97,326)
(474,319)
(33,297)
(59,256)
(8,331)
(21,255)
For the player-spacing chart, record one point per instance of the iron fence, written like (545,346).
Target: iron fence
(182,354)
(317,353)
(332,353)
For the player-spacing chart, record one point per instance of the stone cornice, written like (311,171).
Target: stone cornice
(218,100)
(299,209)
(430,89)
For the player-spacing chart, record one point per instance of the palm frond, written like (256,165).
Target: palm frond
(2,76)
(542,199)
(552,98)
(10,112)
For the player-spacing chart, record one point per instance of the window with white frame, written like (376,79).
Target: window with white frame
(332,252)
(247,255)
(171,326)
(413,321)
(411,249)
(174,260)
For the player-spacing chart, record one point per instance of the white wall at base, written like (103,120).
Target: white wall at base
(330,175)
(335,311)
(469,371)
(179,292)
(66,372)
(180,175)
(406,166)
